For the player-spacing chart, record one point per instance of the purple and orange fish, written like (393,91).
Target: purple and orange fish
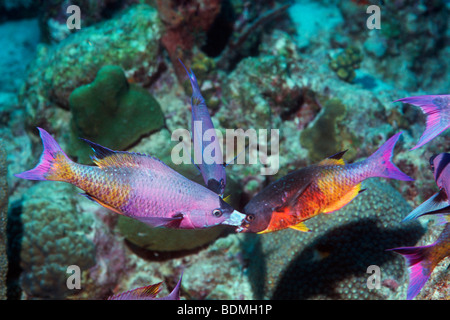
(212,170)
(321,188)
(136,185)
(437,110)
(148,293)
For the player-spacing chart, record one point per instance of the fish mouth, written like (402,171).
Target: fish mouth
(236,219)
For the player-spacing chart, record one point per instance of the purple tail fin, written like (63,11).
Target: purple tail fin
(419,273)
(46,169)
(380,162)
(437,109)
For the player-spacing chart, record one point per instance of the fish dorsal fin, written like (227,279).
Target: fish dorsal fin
(349,196)
(104,157)
(301,227)
(149,291)
(338,155)
(334,160)
(144,293)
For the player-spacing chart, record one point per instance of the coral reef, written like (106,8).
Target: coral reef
(3,220)
(346,62)
(182,21)
(129,40)
(54,237)
(321,137)
(111,112)
(411,36)
(331,262)
(260,65)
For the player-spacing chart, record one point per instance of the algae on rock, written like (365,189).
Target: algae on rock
(111,112)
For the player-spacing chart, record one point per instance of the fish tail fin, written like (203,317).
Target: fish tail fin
(381,165)
(433,106)
(175,294)
(419,267)
(53,164)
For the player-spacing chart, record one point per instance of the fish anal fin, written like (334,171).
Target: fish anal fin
(349,196)
(92,198)
(172,222)
(300,227)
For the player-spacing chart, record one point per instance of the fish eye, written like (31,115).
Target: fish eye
(250,217)
(217,213)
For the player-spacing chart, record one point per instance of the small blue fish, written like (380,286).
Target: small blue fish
(437,109)
(148,293)
(213,173)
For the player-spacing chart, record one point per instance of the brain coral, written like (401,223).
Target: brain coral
(3,210)
(53,239)
(331,262)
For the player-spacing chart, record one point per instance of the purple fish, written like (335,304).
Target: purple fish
(437,109)
(148,293)
(137,186)
(212,170)
(422,260)
(438,203)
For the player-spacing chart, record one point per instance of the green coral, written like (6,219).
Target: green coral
(53,239)
(321,137)
(346,62)
(111,112)
(3,217)
(331,261)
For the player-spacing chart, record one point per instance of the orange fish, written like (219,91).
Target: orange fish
(321,188)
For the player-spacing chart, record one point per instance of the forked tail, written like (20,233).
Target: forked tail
(419,267)
(53,164)
(381,165)
(437,109)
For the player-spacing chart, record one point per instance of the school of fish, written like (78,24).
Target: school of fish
(146,189)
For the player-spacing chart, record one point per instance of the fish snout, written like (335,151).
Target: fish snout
(236,219)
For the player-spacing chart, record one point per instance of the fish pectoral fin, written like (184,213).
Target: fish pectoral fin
(300,227)
(434,204)
(172,222)
(107,206)
(349,196)
(286,207)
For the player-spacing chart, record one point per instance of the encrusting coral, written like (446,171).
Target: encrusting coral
(54,238)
